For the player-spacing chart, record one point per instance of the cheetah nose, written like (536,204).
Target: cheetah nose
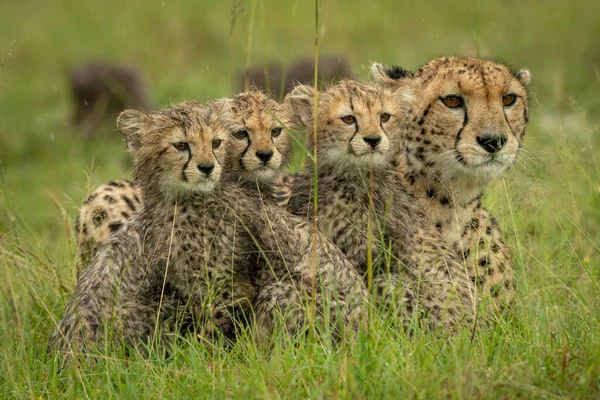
(264,155)
(491,143)
(373,141)
(206,168)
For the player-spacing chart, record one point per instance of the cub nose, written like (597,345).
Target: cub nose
(264,155)
(206,168)
(372,141)
(491,143)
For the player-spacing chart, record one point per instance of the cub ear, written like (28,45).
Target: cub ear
(130,122)
(301,100)
(388,75)
(524,76)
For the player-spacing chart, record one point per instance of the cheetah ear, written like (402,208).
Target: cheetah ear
(388,75)
(301,101)
(130,123)
(524,76)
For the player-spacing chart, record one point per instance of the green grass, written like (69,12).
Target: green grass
(548,206)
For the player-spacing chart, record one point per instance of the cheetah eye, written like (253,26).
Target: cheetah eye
(216,143)
(385,117)
(181,146)
(453,101)
(508,100)
(349,119)
(241,134)
(276,131)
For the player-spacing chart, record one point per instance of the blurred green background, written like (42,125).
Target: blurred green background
(191,49)
(548,205)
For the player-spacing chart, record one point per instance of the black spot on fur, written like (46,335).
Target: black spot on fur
(116,184)
(427,141)
(501,267)
(495,290)
(477,279)
(483,261)
(431,193)
(90,198)
(465,230)
(488,230)
(444,201)
(490,271)
(115,226)
(125,215)
(136,198)
(438,226)
(495,248)
(466,253)
(129,203)
(473,224)
(110,199)
(411,179)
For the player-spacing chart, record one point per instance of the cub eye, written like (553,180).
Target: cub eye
(508,100)
(453,101)
(385,117)
(216,143)
(276,131)
(181,146)
(349,119)
(242,134)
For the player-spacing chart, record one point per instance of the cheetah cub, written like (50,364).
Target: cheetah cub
(358,132)
(259,147)
(180,231)
(465,128)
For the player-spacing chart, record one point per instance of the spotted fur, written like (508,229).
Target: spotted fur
(450,154)
(358,134)
(103,213)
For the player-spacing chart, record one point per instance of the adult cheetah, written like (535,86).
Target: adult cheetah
(464,129)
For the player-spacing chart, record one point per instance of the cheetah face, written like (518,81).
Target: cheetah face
(180,149)
(469,118)
(259,144)
(357,124)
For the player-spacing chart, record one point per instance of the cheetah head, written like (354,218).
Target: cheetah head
(259,144)
(469,115)
(357,123)
(179,150)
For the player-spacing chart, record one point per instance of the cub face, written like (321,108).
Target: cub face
(469,117)
(259,143)
(180,149)
(357,124)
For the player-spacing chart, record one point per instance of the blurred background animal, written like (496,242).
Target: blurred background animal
(280,79)
(101,89)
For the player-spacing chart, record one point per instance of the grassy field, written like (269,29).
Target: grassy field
(548,205)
